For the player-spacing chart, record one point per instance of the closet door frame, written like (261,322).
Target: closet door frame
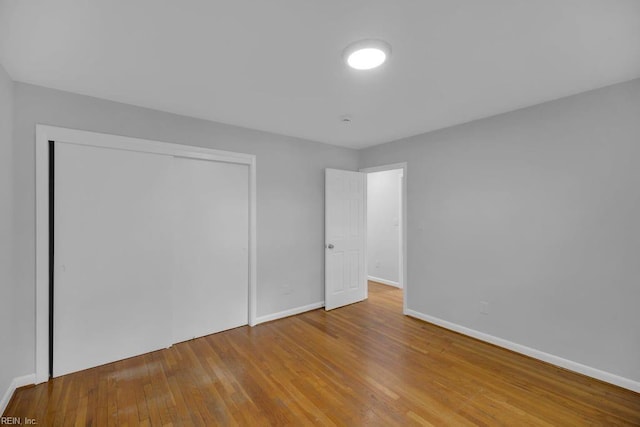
(44,135)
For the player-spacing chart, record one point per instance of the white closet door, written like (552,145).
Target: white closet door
(211,274)
(113,256)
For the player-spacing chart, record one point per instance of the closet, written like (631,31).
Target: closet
(149,249)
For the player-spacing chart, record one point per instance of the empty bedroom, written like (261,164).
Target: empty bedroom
(350,213)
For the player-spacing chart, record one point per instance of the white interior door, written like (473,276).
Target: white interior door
(211,274)
(113,258)
(345,238)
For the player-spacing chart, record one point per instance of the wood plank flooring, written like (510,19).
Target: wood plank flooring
(365,364)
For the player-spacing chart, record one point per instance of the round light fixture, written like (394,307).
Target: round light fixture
(367,54)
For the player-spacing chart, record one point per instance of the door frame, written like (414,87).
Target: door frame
(45,134)
(403,234)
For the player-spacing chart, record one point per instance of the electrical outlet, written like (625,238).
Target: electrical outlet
(484,307)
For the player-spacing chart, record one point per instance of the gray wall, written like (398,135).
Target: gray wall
(537,212)
(7,284)
(290,186)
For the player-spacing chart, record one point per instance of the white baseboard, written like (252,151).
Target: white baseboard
(15,383)
(290,312)
(384,281)
(532,352)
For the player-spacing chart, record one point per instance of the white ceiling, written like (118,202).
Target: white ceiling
(276,65)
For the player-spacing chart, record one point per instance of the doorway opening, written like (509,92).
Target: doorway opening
(386,225)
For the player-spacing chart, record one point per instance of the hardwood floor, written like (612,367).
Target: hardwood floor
(365,364)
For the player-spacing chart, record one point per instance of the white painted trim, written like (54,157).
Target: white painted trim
(403,283)
(15,383)
(365,189)
(290,312)
(44,134)
(42,256)
(253,246)
(384,281)
(532,352)
(104,140)
(383,168)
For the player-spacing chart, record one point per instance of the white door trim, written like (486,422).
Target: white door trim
(403,246)
(44,134)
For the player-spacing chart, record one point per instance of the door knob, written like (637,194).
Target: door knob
(330,246)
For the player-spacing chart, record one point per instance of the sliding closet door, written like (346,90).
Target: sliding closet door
(113,255)
(149,250)
(211,268)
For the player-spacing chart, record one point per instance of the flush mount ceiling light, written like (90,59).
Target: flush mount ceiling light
(366,54)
